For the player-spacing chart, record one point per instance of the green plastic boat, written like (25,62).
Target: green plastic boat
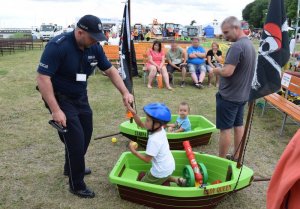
(201,132)
(128,167)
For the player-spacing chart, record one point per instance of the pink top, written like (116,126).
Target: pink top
(156,56)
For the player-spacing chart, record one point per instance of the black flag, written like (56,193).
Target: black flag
(273,52)
(127,52)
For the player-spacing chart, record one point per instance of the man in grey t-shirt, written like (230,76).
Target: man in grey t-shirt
(235,84)
(176,58)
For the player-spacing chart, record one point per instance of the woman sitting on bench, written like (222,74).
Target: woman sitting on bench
(156,64)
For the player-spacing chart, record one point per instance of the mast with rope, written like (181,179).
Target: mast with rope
(129,114)
(246,134)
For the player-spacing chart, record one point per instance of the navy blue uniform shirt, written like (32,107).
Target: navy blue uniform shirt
(62,59)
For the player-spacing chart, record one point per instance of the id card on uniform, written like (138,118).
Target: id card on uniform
(80,77)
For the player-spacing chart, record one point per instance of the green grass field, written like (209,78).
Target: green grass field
(32,156)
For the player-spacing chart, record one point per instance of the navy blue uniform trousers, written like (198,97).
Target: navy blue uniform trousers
(80,127)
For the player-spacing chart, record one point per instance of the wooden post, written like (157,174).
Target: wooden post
(256,179)
(246,132)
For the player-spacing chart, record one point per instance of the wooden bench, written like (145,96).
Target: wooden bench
(166,47)
(289,83)
(141,48)
(12,45)
(112,53)
(6,46)
(35,44)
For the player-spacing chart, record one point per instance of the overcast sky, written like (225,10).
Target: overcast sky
(27,13)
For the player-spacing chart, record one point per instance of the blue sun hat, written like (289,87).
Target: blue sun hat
(159,112)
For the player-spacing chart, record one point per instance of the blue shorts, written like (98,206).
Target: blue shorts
(229,114)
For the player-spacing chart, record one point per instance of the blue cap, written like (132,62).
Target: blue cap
(93,26)
(158,111)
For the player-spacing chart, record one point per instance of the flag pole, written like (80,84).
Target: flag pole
(130,51)
(246,133)
(130,55)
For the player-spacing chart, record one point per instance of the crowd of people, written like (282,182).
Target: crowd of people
(194,60)
(139,34)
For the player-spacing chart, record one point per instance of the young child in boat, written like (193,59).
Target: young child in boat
(158,149)
(182,123)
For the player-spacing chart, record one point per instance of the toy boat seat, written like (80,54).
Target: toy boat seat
(197,129)
(130,174)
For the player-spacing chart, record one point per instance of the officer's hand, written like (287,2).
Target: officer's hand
(60,117)
(128,99)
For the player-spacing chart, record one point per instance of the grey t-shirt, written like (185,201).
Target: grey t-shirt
(175,57)
(236,88)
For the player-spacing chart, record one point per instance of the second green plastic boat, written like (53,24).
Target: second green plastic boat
(201,132)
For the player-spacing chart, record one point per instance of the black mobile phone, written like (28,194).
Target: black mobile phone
(58,127)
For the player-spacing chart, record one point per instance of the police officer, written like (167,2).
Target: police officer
(66,63)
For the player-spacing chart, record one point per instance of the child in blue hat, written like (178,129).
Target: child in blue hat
(158,150)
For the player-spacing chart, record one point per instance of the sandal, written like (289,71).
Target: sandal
(231,157)
(181,182)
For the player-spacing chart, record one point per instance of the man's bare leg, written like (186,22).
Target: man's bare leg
(224,142)
(183,73)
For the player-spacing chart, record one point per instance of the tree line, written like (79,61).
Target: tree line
(255,13)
